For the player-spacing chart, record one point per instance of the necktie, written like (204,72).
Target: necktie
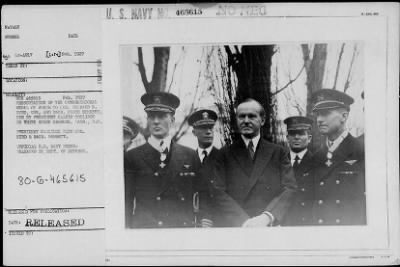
(296,161)
(164,152)
(205,154)
(251,149)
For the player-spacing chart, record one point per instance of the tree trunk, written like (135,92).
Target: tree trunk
(159,78)
(315,69)
(253,70)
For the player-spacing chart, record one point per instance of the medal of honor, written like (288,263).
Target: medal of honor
(329,157)
(163,157)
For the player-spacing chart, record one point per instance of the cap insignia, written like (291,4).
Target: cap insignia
(157,100)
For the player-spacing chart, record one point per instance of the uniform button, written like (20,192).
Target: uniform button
(212,181)
(182,199)
(303,204)
(303,189)
(158,198)
(337,220)
(181,174)
(184,223)
(321,183)
(320,202)
(337,181)
(320,221)
(156,174)
(337,201)
(160,223)
(303,219)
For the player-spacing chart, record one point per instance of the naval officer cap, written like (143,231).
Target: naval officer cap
(203,117)
(160,102)
(330,99)
(130,126)
(298,123)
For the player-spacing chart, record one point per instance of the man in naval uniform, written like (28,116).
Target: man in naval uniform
(203,122)
(339,197)
(162,187)
(299,137)
(131,130)
(362,136)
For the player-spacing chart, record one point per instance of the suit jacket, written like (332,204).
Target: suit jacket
(162,197)
(300,211)
(265,184)
(340,188)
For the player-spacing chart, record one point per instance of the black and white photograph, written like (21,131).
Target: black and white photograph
(201,134)
(240,135)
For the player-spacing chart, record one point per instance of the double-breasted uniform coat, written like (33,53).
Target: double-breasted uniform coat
(157,196)
(300,211)
(339,185)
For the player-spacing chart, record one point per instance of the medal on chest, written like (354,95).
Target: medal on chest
(163,157)
(329,162)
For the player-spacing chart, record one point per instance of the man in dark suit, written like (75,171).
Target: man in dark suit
(161,183)
(340,170)
(255,174)
(299,137)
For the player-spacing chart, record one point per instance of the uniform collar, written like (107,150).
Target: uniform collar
(155,142)
(299,154)
(200,151)
(335,143)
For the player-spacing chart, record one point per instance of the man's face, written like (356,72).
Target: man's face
(298,140)
(248,119)
(205,135)
(159,123)
(331,121)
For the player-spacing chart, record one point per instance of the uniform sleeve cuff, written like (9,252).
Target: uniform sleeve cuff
(271,217)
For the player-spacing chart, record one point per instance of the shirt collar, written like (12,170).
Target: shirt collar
(200,151)
(155,142)
(299,154)
(255,140)
(208,149)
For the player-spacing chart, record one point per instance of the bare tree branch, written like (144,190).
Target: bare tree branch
(175,67)
(142,69)
(347,83)
(338,66)
(289,83)
(295,103)
(178,134)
